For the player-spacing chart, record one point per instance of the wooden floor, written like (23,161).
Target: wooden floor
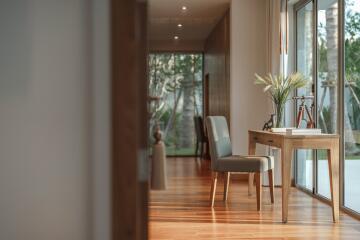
(182,211)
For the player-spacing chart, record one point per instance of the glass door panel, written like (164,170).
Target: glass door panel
(304,62)
(352,105)
(327,82)
(177,79)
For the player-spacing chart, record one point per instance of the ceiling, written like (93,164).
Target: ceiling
(197,21)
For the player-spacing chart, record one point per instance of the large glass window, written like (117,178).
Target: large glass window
(352,105)
(327,83)
(177,80)
(304,62)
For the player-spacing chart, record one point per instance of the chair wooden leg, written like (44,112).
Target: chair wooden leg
(213,188)
(206,151)
(226,185)
(258,190)
(271,184)
(196,149)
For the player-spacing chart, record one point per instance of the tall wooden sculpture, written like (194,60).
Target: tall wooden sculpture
(158,160)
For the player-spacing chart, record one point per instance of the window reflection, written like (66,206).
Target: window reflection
(304,175)
(327,82)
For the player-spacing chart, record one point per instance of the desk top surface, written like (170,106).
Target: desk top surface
(284,135)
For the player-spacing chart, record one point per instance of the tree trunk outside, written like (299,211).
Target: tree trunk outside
(332,60)
(308,44)
(170,123)
(332,78)
(187,117)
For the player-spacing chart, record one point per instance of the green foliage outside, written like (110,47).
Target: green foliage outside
(352,63)
(177,80)
(352,77)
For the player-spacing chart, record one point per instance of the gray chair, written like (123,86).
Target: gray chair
(223,161)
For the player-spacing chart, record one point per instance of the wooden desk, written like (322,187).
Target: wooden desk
(288,144)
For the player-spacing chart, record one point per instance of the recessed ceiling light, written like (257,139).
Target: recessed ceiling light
(176,37)
(184,8)
(179,25)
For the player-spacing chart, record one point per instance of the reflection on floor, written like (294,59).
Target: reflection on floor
(182,211)
(352,180)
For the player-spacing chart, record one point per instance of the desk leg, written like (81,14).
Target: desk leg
(286,157)
(333,160)
(251,151)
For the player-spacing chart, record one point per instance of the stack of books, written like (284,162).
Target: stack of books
(279,130)
(297,131)
(303,131)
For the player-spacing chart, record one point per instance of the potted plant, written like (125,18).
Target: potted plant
(280,88)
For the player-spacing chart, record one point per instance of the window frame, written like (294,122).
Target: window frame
(297,7)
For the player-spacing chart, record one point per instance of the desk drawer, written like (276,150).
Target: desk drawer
(266,139)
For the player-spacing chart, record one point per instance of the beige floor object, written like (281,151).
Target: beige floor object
(158,167)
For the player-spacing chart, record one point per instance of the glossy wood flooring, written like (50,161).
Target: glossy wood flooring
(182,211)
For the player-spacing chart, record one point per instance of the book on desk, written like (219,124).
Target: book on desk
(297,131)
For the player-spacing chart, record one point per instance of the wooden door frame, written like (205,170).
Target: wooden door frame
(129,181)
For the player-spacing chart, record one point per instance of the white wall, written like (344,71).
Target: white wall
(101,120)
(249,106)
(46,172)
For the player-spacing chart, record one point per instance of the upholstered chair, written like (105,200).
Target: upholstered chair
(223,161)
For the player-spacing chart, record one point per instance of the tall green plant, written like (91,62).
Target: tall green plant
(279,88)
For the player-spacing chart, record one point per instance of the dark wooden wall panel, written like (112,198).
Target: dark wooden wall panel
(129,119)
(217,68)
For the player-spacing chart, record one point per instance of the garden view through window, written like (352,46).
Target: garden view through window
(352,105)
(304,65)
(326,73)
(327,84)
(177,80)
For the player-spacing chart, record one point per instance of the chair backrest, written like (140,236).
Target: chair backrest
(199,129)
(219,138)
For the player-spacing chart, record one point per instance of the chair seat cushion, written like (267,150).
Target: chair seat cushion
(238,163)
